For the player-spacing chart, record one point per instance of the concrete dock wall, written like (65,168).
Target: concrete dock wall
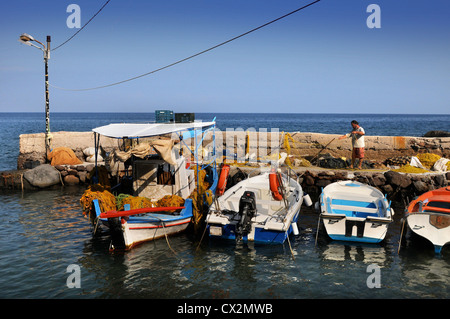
(378,148)
(396,185)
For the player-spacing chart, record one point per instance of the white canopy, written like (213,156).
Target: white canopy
(136,130)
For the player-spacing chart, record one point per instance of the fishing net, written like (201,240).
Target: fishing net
(287,146)
(410,169)
(428,159)
(63,156)
(135,202)
(200,196)
(107,201)
(170,201)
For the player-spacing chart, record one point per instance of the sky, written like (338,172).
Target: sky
(323,59)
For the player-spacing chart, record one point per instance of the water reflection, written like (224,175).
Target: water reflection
(368,254)
(45,231)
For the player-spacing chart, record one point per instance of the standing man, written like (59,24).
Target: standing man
(357,135)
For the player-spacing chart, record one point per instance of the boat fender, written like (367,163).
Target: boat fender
(221,185)
(307,200)
(295,228)
(274,186)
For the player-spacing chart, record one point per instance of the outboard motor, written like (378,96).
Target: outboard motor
(115,228)
(247,210)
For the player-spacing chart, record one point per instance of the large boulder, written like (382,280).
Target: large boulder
(398,179)
(43,176)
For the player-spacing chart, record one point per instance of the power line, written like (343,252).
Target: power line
(192,56)
(81,27)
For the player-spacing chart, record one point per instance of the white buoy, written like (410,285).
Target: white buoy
(307,200)
(295,228)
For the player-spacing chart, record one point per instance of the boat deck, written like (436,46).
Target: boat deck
(355,208)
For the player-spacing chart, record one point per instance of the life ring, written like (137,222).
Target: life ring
(221,185)
(274,186)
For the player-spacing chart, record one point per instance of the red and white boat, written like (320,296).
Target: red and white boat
(429,216)
(131,227)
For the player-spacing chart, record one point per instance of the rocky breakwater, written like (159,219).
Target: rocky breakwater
(47,176)
(399,187)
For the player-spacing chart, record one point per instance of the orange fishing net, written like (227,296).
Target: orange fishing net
(135,202)
(63,156)
(107,201)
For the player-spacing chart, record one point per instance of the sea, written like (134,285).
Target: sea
(48,250)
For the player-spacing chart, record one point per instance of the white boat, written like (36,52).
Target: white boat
(353,211)
(131,227)
(429,216)
(262,208)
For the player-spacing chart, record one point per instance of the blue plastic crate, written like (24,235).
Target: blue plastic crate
(163,116)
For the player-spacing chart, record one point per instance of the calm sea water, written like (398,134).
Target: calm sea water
(44,232)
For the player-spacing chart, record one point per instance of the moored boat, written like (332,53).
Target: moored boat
(158,176)
(262,208)
(353,211)
(429,217)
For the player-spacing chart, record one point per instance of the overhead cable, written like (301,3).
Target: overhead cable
(81,27)
(192,56)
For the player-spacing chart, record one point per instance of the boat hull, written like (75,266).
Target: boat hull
(433,227)
(356,212)
(257,234)
(429,217)
(137,232)
(355,230)
(274,220)
(129,231)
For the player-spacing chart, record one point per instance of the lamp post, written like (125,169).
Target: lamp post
(27,39)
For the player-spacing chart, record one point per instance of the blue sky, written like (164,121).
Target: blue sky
(323,59)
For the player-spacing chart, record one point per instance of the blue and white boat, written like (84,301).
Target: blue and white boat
(353,211)
(131,227)
(262,208)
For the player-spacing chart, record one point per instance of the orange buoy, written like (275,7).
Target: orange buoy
(222,184)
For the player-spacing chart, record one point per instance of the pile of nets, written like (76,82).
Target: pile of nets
(410,169)
(63,156)
(170,201)
(135,202)
(428,159)
(423,163)
(110,202)
(106,199)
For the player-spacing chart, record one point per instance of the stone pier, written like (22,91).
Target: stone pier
(301,145)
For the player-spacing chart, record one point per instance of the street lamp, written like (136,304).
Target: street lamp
(27,39)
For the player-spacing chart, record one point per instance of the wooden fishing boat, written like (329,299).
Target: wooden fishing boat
(353,211)
(429,217)
(130,227)
(262,208)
